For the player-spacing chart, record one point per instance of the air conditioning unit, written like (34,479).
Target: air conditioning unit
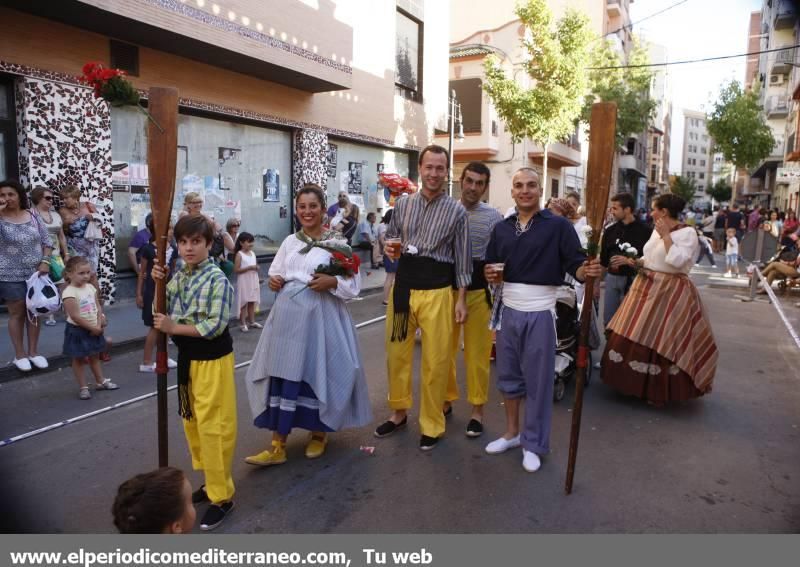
(775,80)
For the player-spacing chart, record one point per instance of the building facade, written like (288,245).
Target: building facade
(660,131)
(477,32)
(273,94)
(779,29)
(696,160)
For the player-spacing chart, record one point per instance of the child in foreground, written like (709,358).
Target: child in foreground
(83,333)
(158,502)
(199,301)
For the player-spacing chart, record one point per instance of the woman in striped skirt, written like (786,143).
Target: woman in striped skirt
(306,371)
(660,345)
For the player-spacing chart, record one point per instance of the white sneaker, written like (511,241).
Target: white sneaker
(23,364)
(713,265)
(697,264)
(727,275)
(255,325)
(244,328)
(530,461)
(502,445)
(171,363)
(39,361)
(148,368)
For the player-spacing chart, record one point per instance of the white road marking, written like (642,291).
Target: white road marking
(76,419)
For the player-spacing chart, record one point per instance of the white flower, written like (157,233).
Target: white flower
(624,246)
(587,230)
(413,250)
(633,251)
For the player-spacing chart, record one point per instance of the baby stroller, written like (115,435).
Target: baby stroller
(567,331)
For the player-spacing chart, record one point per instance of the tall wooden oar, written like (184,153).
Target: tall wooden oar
(602,145)
(162,154)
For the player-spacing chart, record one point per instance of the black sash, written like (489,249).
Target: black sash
(479,280)
(197,348)
(415,272)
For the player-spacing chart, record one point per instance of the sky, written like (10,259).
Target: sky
(694,30)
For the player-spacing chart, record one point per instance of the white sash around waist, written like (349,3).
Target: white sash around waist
(529,298)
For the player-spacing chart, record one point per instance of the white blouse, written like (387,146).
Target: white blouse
(291,265)
(681,256)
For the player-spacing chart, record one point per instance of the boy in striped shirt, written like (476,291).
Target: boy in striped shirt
(199,299)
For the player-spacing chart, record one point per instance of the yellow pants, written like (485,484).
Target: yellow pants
(477,350)
(432,310)
(211,433)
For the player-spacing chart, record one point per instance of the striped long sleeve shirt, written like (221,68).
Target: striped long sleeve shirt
(437,228)
(482,218)
(201,296)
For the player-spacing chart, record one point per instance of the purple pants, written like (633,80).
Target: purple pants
(526,347)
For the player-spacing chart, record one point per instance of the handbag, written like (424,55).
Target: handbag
(56,267)
(93,231)
(42,296)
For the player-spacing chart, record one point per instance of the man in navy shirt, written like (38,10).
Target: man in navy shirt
(529,253)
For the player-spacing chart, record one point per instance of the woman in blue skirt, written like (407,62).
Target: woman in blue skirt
(307,371)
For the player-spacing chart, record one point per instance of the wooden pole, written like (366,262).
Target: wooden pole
(602,147)
(162,154)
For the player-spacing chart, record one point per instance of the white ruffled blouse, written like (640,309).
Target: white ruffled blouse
(291,265)
(681,256)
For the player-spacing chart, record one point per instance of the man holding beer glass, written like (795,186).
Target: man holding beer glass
(429,234)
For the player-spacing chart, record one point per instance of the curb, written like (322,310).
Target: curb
(59,362)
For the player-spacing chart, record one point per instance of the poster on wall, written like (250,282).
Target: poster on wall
(379,168)
(333,151)
(271,184)
(355,170)
(120,176)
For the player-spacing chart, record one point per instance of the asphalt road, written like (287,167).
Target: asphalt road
(728,462)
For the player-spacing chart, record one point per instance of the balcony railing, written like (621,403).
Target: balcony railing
(777,106)
(783,62)
(785,15)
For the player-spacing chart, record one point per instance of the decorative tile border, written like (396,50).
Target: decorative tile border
(8,67)
(224,24)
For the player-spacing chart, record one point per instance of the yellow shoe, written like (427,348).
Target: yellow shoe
(316,445)
(277,456)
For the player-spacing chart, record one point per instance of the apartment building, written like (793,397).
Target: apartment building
(696,160)
(776,70)
(273,94)
(660,131)
(475,33)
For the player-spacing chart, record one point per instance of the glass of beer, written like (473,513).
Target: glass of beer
(497,271)
(394,247)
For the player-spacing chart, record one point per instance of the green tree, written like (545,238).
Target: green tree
(557,58)
(721,191)
(684,187)
(738,127)
(612,78)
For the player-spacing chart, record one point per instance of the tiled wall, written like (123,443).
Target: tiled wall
(64,137)
(310,158)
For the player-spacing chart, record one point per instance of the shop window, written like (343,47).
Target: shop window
(240,170)
(9,167)
(469,95)
(408,56)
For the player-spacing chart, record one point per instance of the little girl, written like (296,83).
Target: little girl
(146,292)
(83,335)
(248,293)
(731,254)
(158,502)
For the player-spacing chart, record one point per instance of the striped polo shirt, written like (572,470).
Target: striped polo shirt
(437,228)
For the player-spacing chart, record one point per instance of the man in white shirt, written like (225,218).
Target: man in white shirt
(366,238)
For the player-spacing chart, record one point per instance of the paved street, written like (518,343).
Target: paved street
(725,463)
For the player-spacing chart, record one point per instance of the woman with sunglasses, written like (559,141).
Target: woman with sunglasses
(25,248)
(42,199)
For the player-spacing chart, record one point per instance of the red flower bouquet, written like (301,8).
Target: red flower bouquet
(340,264)
(112,87)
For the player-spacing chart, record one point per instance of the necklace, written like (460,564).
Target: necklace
(523,229)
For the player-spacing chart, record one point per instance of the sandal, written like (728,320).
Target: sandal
(107,384)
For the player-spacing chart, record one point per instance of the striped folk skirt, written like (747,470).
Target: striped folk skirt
(660,346)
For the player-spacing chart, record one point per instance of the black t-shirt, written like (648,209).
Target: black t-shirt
(720,222)
(636,234)
(735,219)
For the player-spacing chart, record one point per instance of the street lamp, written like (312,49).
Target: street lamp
(453,116)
